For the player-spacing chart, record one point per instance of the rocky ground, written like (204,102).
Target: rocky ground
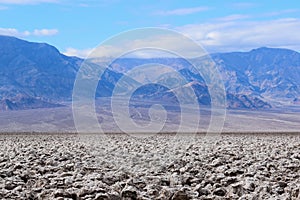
(260,166)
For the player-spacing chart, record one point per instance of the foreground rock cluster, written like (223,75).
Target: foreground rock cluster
(117,167)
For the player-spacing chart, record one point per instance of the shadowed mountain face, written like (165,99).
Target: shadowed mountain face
(271,73)
(34,71)
(34,75)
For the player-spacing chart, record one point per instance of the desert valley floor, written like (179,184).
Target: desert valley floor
(72,166)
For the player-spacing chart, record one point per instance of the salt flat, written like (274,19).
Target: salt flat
(61,119)
(118,166)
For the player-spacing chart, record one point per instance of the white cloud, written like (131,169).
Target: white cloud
(36,32)
(215,36)
(233,17)
(146,46)
(85,5)
(13,32)
(244,35)
(27,1)
(182,11)
(244,5)
(281,12)
(45,32)
(76,52)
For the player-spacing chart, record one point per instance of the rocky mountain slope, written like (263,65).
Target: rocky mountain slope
(273,74)
(34,75)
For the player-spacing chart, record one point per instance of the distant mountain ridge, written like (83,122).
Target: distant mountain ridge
(34,75)
(271,73)
(35,70)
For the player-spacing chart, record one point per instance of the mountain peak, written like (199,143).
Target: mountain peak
(10,43)
(272,50)
(263,49)
(6,37)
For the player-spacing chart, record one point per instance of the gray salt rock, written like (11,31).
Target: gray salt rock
(102,196)
(180,195)
(249,186)
(233,172)
(114,196)
(10,185)
(203,192)
(282,184)
(217,162)
(220,192)
(165,193)
(129,192)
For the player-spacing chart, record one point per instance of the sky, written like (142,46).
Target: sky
(75,27)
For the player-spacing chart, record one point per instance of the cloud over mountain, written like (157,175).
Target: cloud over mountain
(35,32)
(230,33)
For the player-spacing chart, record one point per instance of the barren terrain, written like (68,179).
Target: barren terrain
(72,166)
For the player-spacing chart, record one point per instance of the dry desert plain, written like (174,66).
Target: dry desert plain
(119,166)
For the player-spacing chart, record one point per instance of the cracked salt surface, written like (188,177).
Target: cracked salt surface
(232,166)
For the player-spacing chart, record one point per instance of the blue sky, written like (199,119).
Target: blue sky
(77,26)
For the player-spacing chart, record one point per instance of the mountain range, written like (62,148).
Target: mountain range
(37,75)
